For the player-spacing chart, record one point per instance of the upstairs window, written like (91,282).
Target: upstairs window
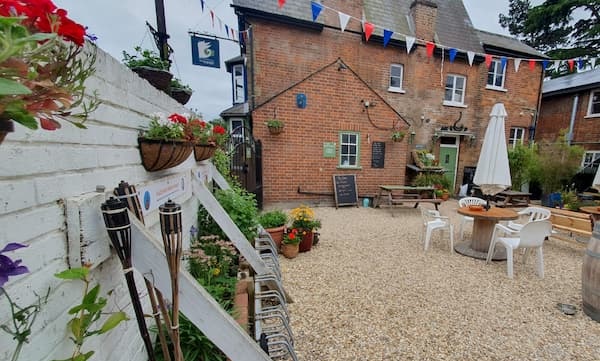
(455,90)
(496,75)
(591,159)
(238,84)
(516,136)
(594,106)
(349,150)
(396,78)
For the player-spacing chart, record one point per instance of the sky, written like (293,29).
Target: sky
(121,25)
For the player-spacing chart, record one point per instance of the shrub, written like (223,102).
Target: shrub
(273,219)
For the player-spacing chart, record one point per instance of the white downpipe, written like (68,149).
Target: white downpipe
(572,122)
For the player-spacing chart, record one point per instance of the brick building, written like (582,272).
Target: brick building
(572,102)
(340,95)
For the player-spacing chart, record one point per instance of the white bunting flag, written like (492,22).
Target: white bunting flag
(593,62)
(410,41)
(344,18)
(556,64)
(471,56)
(517,63)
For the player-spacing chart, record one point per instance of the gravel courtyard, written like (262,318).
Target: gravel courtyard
(368,291)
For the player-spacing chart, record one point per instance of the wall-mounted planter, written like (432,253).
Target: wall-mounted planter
(275,130)
(163,154)
(204,151)
(6,126)
(181,95)
(160,79)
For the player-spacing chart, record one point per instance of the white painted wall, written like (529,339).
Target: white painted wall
(39,171)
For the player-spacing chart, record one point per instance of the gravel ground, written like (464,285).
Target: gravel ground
(367,291)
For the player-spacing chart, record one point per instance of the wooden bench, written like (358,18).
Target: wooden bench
(570,221)
(416,201)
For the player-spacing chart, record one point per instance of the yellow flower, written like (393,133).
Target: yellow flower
(216,272)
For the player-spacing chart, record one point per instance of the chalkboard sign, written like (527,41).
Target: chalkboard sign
(344,189)
(377,155)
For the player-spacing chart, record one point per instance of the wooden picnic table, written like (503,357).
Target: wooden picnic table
(513,199)
(409,194)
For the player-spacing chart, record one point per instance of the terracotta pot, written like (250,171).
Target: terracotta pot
(445,196)
(181,95)
(160,154)
(307,241)
(204,151)
(277,235)
(6,126)
(160,79)
(289,250)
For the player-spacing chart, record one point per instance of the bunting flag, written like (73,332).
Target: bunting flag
(212,17)
(470,56)
(532,64)
(503,62)
(387,35)
(410,41)
(227,30)
(202,4)
(316,9)
(452,52)
(232,33)
(344,18)
(517,63)
(368,30)
(430,47)
(580,63)
(281,3)
(593,61)
(556,64)
(545,64)
(571,63)
(488,60)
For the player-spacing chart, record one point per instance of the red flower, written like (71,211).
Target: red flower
(176,118)
(292,235)
(218,129)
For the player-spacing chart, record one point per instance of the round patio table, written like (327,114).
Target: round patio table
(483,228)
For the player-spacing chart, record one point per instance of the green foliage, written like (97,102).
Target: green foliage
(273,219)
(177,84)
(397,136)
(87,313)
(163,130)
(145,57)
(292,236)
(275,123)
(428,179)
(522,160)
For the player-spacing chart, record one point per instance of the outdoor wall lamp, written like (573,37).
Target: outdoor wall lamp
(116,220)
(411,138)
(472,140)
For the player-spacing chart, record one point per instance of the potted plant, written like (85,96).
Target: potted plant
(303,219)
(274,223)
(180,92)
(398,135)
(275,126)
(290,244)
(163,144)
(206,136)
(148,65)
(43,68)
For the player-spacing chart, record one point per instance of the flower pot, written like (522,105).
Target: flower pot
(162,154)
(307,241)
(160,79)
(6,126)
(277,235)
(275,130)
(445,196)
(289,250)
(181,95)
(204,151)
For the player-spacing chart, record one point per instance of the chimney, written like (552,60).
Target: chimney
(424,15)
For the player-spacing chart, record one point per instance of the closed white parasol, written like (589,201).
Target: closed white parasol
(596,182)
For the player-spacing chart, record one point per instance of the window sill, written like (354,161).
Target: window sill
(454,104)
(349,167)
(491,87)
(591,116)
(396,90)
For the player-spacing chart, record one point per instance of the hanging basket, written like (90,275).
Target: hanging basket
(6,126)
(162,154)
(204,151)
(160,79)
(181,95)
(275,130)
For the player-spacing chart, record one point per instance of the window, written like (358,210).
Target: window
(396,75)
(516,136)
(455,90)
(238,84)
(349,150)
(594,107)
(591,159)
(496,75)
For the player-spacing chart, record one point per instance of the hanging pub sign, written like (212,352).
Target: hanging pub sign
(205,52)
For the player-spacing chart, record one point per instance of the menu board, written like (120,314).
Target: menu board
(377,155)
(344,189)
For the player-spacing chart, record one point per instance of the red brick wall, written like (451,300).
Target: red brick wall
(424,14)
(282,56)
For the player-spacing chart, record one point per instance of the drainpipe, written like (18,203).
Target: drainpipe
(572,122)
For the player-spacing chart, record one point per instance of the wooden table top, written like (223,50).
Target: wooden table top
(494,213)
(405,188)
(590,209)
(514,193)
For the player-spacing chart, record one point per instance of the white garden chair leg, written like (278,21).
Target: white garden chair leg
(427,238)
(451,239)
(509,261)
(540,262)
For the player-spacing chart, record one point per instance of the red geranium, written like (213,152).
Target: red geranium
(177,118)
(217,129)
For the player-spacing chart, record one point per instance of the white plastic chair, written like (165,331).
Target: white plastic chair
(531,235)
(465,202)
(432,220)
(535,214)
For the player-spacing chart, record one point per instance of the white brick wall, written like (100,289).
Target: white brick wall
(39,170)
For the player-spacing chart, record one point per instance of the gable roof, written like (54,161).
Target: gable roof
(453,25)
(572,83)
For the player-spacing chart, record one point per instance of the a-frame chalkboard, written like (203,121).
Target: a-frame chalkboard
(345,190)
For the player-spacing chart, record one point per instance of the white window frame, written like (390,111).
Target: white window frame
(496,70)
(514,138)
(395,89)
(591,103)
(347,154)
(238,84)
(453,101)
(589,157)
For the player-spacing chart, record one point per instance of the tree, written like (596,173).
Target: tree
(562,29)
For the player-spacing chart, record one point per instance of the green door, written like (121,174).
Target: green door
(448,161)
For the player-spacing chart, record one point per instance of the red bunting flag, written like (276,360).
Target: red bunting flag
(212,17)
(488,60)
(281,3)
(571,63)
(531,64)
(430,47)
(368,30)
